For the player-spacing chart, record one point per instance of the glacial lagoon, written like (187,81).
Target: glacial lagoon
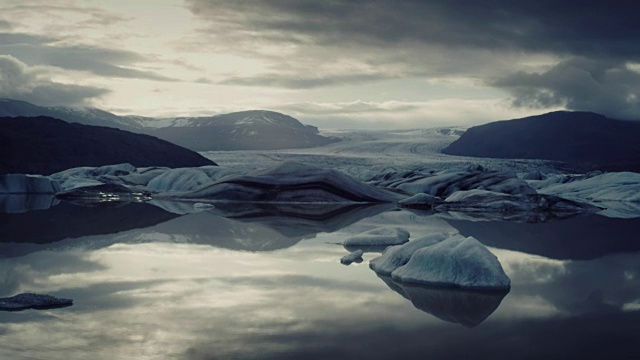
(267,283)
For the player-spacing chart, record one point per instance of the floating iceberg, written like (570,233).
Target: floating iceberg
(465,307)
(512,206)
(27,184)
(378,237)
(620,186)
(179,180)
(32,301)
(202,206)
(187,179)
(420,201)
(455,262)
(293,182)
(618,193)
(446,182)
(355,256)
(397,256)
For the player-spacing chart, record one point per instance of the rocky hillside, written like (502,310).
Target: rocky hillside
(584,140)
(43,145)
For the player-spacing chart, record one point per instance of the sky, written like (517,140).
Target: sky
(373,64)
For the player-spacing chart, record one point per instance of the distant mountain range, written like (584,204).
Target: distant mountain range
(246,130)
(44,145)
(584,140)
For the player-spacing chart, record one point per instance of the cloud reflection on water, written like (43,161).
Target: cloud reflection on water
(164,291)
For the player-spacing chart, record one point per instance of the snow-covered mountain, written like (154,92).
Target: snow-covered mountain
(245,130)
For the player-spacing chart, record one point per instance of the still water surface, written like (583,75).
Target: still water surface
(267,284)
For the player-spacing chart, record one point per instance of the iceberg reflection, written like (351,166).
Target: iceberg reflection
(468,308)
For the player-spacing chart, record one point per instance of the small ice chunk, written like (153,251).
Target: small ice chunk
(455,262)
(397,256)
(202,206)
(355,256)
(420,200)
(379,237)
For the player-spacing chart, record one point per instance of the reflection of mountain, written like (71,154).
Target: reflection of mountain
(258,227)
(468,308)
(67,220)
(46,145)
(301,219)
(577,238)
(210,229)
(265,227)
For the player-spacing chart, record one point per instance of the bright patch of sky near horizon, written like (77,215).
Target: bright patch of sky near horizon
(311,60)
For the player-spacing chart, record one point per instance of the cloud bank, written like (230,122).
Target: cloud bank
(21,82)
(544,54)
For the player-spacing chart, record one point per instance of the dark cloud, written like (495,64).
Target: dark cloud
(19,81)
(5,25)
(605,87)
(567,27)
(590,44)
(7,39)
(44,50)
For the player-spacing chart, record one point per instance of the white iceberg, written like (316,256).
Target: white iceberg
(512,207)
(187,179)
(203,206)
(618,186)
(27,184)
(379,237)
(179,180)
(455,262)
(397,256)
(420,201)
(618,192)
(446,182)
(355,256)
(293,182)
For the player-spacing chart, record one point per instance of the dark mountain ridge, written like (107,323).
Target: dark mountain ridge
(244,130)
(44,145)
(584,140)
